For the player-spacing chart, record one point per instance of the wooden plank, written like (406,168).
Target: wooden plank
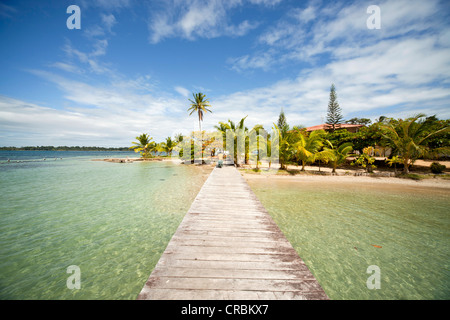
(228,247)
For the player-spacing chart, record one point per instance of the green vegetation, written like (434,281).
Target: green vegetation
(385,142)
(394,161)
(308,146)
(337,155)
(334,115)
(391,142)
(408,138)
(144,145)
(412,176)
(366,159)
(235,131)
(437,167)
(199,105)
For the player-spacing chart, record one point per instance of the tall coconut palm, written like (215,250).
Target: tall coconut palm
(408,138)
(308,146)
(144,145)
(200,105)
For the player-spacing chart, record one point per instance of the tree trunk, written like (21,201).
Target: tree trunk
(406,166)
(201,140)
(303,165)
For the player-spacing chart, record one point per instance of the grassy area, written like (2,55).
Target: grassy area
(412,176)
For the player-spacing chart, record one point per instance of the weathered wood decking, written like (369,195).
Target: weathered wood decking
(228,247)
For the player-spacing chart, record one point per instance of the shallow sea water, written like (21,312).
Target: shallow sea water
(339,230)
(112,220)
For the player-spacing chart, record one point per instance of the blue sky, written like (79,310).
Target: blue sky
(132,66)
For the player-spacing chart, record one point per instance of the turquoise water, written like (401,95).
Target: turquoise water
(112,220)
(336,227)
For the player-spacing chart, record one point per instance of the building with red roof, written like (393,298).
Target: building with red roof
(349,127)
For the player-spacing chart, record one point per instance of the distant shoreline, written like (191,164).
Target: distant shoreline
(130,160)
(65,148)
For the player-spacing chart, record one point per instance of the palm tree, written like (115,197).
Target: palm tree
(336,155)
(144,145)
(283,143)
(366,159)
(199,104)
(393,161)
(324,156)
(178,137)
(258,144)
(235,131)
(168,146)
(409,136)
(308,146)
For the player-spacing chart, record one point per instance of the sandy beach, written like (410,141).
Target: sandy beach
(351,180)
(346,178)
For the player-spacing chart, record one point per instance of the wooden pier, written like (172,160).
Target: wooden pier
(228,248)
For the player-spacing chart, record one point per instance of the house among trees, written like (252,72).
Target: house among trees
(353,128)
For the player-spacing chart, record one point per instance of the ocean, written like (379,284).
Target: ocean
(366,241)
(112,221)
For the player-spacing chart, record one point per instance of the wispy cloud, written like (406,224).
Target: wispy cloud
(261,61)
(192,19)
(183,91)
(81,62)
(7,11)
(399,70)
(98,35)
(305,33)
(107,4)
(109,21)
(404,65)
(111,114)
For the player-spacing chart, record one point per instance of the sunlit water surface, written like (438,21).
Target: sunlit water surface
(339,230)
(112,220)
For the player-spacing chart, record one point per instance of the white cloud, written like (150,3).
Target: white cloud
(106,4)
(397,71)
(87,61)
(192,19)
(49,126)
(99,48)
(295,38)
(265,2)
(98,116)
(246,62)
(66,67)
(404,65)
(183,91)
(109,21)
(111,113)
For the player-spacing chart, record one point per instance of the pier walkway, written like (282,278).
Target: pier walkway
(228,248)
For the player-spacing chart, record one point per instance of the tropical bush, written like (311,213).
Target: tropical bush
(437,168)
